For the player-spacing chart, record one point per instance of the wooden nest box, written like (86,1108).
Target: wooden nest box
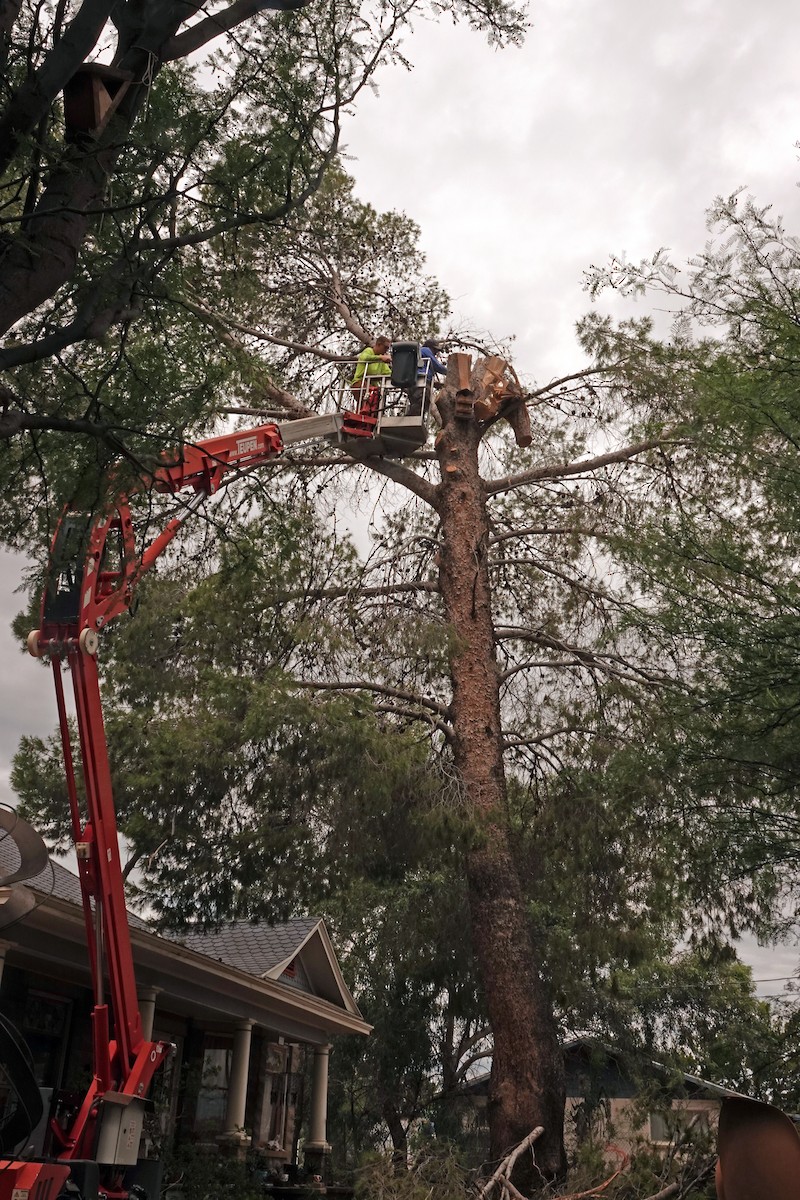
(91,97)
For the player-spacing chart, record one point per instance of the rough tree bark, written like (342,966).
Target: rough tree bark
(398,1133)
(527,1080)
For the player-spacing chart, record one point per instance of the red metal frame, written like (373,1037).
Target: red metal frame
(83,593)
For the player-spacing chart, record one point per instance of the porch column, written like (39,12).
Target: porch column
(4,948)
(147,1009)
(316,1149)
(237,1087)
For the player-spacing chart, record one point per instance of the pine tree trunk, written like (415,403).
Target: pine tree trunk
(399,1136)
(527,1080)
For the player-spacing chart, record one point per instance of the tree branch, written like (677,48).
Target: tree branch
(379,689)
(581,467)
(345,312)
(612,664)
(545,736)
(343,593)
(403,475)
(393,710)
(205,31)
(274,391)
(541,531)
(542,391)
(12,423)
(225,322)
(503,1173)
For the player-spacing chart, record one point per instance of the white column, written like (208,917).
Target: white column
(319,1100)
(4,948)
(237,1087)
(147,1009)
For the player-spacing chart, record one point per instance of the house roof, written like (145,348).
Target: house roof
(581,1048)
(257,948)
(54,880)
(57,880)
(245,971)
(268,951)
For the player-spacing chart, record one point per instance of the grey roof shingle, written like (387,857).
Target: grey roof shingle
(254,948)
(54,880)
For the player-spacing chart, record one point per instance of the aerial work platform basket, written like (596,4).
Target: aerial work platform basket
(383,415)
(374,412)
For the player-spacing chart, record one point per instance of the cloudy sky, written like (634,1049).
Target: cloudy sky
(611,130)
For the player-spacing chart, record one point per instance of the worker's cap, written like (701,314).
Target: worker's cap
(432,345)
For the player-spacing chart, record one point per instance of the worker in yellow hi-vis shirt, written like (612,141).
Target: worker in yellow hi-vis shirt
(373,362)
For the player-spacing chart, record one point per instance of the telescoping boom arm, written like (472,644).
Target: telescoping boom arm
(93,572)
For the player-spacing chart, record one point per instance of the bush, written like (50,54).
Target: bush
(435,1172)
(194,1174)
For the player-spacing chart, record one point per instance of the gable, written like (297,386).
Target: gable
(297,954)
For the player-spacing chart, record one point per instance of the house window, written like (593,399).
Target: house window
(660,1127)
(664,1126)
(45,1025)
(212,1098)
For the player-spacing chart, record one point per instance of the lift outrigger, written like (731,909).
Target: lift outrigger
(94,568)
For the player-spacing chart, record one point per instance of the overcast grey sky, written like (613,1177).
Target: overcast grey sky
(611,130)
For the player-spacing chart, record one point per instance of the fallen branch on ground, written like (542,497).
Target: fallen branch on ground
(601,1187)
(502,1175)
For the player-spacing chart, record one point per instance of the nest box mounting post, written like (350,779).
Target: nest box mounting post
(464,396)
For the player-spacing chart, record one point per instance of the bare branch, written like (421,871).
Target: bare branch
(341,593)
(503,1173)
(205,31)
(555,383)
(583,466)
(364,685)
(395,710)
(471,1059)
(545,736)
(403,475)
(541,531)
(345,312)
(221,321)
(671,1189)
(612,664)
(13,423)
(273,390)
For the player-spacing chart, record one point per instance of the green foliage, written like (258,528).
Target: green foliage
(718,568)
(645,625)
(436,1172)
(413,974)
(194,1174)
(699,1012)
(284,282)
(202,215)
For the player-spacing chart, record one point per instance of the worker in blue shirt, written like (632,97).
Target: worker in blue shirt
(429,366)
